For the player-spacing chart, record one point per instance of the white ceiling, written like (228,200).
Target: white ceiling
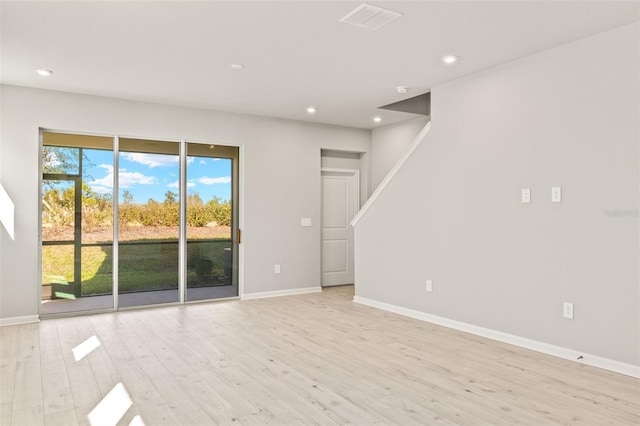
(296,53)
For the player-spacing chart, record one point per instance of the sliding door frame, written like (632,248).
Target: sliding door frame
(237,222)
(41,132)
(182,239)
(116,222)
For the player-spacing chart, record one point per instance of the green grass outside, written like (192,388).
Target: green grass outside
(142,267)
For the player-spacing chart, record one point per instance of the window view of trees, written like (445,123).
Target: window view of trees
(77,261)
(97,210)
(60,160)
(153,213)
(59,207)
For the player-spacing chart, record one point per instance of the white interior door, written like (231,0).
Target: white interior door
(340,202)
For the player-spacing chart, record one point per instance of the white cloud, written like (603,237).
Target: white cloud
(127,179)
(176,184)
(105,182)
(154,160)
(212,181)
(98,189)
(203,162)
(151,160)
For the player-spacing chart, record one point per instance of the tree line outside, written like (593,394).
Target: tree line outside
(97,210)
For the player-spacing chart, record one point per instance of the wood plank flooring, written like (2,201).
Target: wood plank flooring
(315,359)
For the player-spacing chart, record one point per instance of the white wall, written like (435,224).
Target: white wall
(281,180)
(566,117)
(388,145)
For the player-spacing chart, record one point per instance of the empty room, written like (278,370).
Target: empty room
(319,212)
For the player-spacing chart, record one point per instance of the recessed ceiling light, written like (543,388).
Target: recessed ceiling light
(402,89)
(377,119)
(449,59)
(237,66)
(311,110)
(44,72)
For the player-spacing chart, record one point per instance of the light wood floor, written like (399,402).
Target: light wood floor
(309,359)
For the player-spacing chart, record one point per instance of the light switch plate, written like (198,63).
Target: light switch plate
(305,221)
(556,194)
(526,195)
(567,310)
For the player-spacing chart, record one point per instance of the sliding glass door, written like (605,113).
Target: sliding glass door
(211,221)
(77,223)
(148,213)
(176,229)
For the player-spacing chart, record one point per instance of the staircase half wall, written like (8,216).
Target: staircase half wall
(451,210)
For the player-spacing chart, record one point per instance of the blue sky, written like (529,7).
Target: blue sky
(148,176)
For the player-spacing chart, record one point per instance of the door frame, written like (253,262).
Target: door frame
(238,173)
(356,199)
(76,179)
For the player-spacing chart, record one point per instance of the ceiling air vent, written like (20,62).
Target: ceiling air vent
(371,17)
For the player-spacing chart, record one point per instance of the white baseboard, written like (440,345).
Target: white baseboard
(545,348)
(28,319)
(278,293)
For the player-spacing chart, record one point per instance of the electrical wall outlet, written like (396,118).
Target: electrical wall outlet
(429,286)
(526,195)
(276,268)
(556,194)
(567,310)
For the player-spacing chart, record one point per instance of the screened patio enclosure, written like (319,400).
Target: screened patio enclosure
(132,222)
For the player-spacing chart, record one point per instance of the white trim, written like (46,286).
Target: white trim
(335,170)
(278,293)
(28,319)
(545,348)
(416,142)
